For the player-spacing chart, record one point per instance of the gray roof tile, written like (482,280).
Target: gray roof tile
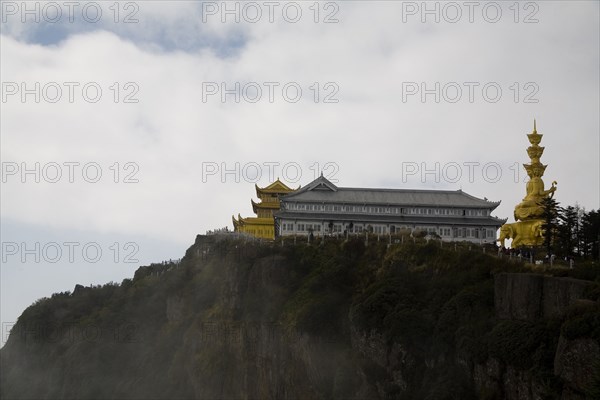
(322,190)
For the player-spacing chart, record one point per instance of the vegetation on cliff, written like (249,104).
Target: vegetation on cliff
(249,319)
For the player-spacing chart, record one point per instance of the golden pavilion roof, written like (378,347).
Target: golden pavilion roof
(274,188)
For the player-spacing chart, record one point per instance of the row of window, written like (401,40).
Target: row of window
(477,233)
(258,232)
(385,210)
(289,227)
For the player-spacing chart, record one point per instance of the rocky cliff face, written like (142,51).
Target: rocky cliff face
(529,296)
(244,320)
(533,298)
(576,363)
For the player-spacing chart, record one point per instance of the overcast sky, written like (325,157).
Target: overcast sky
(150,121)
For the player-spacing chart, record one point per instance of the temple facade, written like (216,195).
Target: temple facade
(263,225)
(322,208)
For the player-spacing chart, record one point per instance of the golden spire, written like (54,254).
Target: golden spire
(534,128)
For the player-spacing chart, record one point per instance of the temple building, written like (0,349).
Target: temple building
(263,225)
(322,208)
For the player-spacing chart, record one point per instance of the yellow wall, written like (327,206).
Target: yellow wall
(260,231)
(263,225)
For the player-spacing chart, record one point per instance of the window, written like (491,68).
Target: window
(474,213)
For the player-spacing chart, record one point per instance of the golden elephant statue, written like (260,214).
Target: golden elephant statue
(523,234)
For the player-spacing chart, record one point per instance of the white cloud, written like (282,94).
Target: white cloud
(368,134)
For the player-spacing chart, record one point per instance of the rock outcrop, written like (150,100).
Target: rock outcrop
(577,363)
(526,296)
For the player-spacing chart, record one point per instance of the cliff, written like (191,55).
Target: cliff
(340,320)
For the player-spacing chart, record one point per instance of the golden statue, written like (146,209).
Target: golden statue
(527,231)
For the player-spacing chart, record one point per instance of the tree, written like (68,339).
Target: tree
(567,231)
(578,229)
(349,228)
(590,226)
(551,216)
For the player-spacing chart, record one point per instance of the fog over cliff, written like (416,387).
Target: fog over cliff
(339,319)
